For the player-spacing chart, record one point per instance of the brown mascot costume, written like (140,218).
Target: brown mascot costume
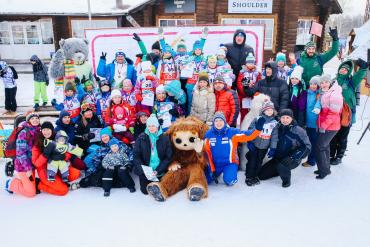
(188,163)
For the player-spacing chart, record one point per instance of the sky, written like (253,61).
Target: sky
(353,7)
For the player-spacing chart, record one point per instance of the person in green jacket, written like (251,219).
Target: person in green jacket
(349,83)
(313,62)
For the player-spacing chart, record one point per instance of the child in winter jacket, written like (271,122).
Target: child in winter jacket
(128,93)
(145,88)
(56,152)
(204,100)
(91,95)
(283,69)
(167,69)
(312,110)
(176,94)
(267,138)
(211,68)
(226,101)
(121,117)
(71,102)
(10,85)
(103,100)
(221,144)
(298,96)
(41,78)
(247,78)
(116,161)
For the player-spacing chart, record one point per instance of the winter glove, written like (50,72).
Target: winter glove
(260,122)
(9,169)
(362,64)
(251,146)
(88,136)
(321,131)
(204,33)
(316,111)
(119,128)
(136,37)
(132,130)
(103,56)
(160,33)
(160,121)
(333,33)
(271,153)
(97,78)
(174,113)
(77,81)
(83,80)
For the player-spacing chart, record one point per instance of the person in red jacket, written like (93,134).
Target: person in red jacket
(121,117)
(226,101)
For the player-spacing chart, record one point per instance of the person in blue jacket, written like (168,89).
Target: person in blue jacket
(64,123)
(221,144)
(119,69)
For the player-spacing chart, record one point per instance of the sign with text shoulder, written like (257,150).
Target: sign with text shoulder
(112,40)
(179,6)
(250,6)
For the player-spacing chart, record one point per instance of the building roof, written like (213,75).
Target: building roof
(333,5)
(68,7)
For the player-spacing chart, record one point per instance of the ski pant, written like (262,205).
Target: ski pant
(338,144)
(23,185)
(123,175)
(189,96)
(10,101)
(60,165)
(229,171)
(95,180)
(183,87)
(40,91)
(323,151)
(312,136)
(278,167)
(255,159)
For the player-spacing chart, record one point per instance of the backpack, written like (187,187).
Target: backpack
(15,74)
(346,116)
(10,146)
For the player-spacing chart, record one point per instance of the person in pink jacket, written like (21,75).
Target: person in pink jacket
(328,123)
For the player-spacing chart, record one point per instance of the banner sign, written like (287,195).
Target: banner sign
(250,6)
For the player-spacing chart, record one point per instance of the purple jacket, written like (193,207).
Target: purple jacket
(298,105)
(24,143)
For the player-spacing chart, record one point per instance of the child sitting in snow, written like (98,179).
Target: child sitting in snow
(259,146)
(128,93)
(298,96)
(116,161)
(103,100)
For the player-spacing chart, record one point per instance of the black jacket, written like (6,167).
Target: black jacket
(236,54)
(276,88)
(142,152)
(40,71)
(81,130)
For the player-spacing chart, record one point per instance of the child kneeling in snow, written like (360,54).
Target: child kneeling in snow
(117,161)
(221,144)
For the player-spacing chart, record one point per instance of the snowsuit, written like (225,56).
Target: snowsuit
(293,146)
(204,104)
(227,101)
(298,101)
(56,154)
(41,78)
(108,71)
(221,149)
(10,85)
(313,101)
(267,138)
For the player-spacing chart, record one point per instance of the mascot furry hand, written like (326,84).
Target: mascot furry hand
(188,162)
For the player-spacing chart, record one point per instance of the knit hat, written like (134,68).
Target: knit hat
(120,53)
(326,77)
(197,45)
(47,125)
(152,121)
(315,80)
(160,89)
(346,66)
(88,83)
(250,58)
(181,44)
(221,52)
(115,92)
(69,86)
(174,88)
(31,115)
(309,44)
(297,73)
(219,114)
(219,78)
(267,104)
(86,106)
(156,46)
(104,82)
(286,112)
(106,131)
(280,57)
(61,133)
(63,114)
(142,113)
(113,141)
(203,76)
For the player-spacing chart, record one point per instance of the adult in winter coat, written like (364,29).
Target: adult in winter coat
(293,146)
(328,123)
(25,182)
(40,161)
(10,85)
(226,101)
(41,78)
(204,101)
(154,149)
(349,83)
(119,69)
(237,52)
(64,123)
(276,88)
(297,96)
(313,62)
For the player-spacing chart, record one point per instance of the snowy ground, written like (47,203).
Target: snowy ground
(332,212)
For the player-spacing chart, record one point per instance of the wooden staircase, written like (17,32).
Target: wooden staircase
(45,112)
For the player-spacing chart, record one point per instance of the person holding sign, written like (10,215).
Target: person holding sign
(152,154)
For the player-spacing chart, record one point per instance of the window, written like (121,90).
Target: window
(18,35)
(4,33)
(32,34)
(79,26)
(46,31)
(269,27)
(175,22)
(303,31)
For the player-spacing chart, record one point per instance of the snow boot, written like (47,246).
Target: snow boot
(9,169)
(155,191)
(335,161)
(51,178)
(106,193)
(285,184)
(252,181)
(44,103)
(132,190)
(195,193)
(36,107)
(322,176)
(316,172)
(7,184)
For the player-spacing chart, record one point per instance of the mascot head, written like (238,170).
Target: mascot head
(185,131)
(75,49)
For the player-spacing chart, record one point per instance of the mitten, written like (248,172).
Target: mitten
(260,122)
(362,64)
(333,33)
(204,33)
(103,56)
(160,121)
(77,81)
(136,37)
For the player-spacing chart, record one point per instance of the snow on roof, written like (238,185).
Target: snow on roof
(67,7)
(361,42)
